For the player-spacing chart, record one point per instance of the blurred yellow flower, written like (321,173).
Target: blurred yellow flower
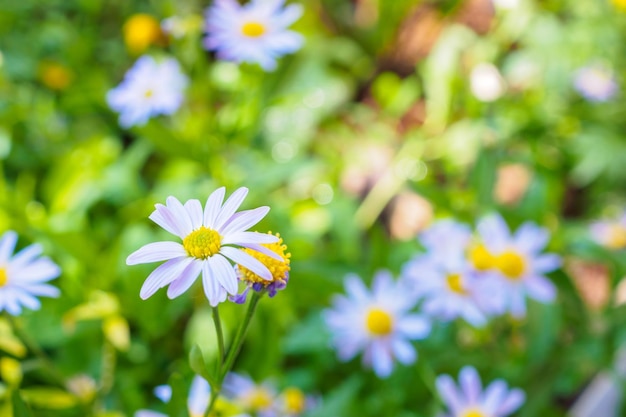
(620,4)
(141,31)
(55,76)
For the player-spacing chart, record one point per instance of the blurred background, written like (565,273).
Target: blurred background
(393,114)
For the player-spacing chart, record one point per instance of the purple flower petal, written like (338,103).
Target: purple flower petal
(155,252)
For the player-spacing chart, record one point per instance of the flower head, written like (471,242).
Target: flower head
(210,239)
(259,399)
(141,31)
(377,323)
(445,238)
(255,32)
(514,262)
(469,399)
(149,88)
(23,277)
(293,402)
(595,83)
(276,258)
(610,233)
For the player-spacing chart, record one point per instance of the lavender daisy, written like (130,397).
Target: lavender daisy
(377,323)
(595,83)
(258,399)
(255,32)
(470,400)
(23,276)
(149,88)
(514,262)
(210,239)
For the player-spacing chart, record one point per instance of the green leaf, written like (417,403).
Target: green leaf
(199,366)
(48,398)
(19,407)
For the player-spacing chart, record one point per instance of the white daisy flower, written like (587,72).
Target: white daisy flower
(259,399)
(446,238)
(209,240)
(255,32)
(377,323)
(23,277)
(514,262)
(149,88)
(610,233)
(469,399)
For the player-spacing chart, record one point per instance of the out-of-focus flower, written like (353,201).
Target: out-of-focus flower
(592,280)
(255,32)
(410,214)
(506,4)
(445,238)
(279,269)
(210,237)
(55,76)
(610,233)
(141,31)
(258,399)
(178,27)
(595,83)
(83,387)
(511,183)
(619,4)
(149,88)
(470,400)
(515,262)
(486,82)
(293,402)
(377,323)
(23,277)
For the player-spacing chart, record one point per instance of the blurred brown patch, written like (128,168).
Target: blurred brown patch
(592,280)
(477,15)
(409,214)
(511,184)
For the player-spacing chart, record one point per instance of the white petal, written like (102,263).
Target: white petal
(210,284)
(244,220)
(155,252)
(230,207)
(264,251)
(185,280)
(414,327)
(180,215)
(194,209)
(382,362)
(7,245)
(355,288)
(403,351)
(514,400)
(470,383)
(43,290)
(244,238)
(494,395)
(546,263)
(540,289)
(163,275)
(26,255)
(40,270)
(240,257)
(449,393)
(166,219)
(225,273)
(531,238)
(212,208)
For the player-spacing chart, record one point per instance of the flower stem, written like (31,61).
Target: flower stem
(234,350)
(220,338)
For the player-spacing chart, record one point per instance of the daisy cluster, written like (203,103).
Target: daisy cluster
(215,244)
(472,276)
(255,33)
(242,397)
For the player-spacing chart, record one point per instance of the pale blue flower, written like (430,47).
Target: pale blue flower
(470,400)
(376,322)
(255,32)
(210,240)
(259,399)
(595,83)
(151,87)
(24,276)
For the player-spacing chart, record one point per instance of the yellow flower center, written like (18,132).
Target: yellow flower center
(253,29)
(455,283)
(279,269)
(140,31)
(4,278)
(148,93)
(511,264)
(258,399)
(295,400)
(379,322)
(481,258)
(55,76)
(616,237)
(202,243)
(473,412)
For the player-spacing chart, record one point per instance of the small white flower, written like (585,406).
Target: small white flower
(514,262)
(255,32)
(242,391)
(377,323)
(486,82)
(610,233)
(23,277)
(469,399)
(149,88)
(595,83)
(210,237)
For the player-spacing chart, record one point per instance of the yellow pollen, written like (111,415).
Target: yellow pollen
(148,93)
(455,283)
(616,237)
(473,413)
(295,400)
(4,278)
(253,29)
(202,243)
(379,322)
(511,264)
(279,269)
(481,258)
(258,399)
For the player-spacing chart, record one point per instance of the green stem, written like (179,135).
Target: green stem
(234,350)
(220,338)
